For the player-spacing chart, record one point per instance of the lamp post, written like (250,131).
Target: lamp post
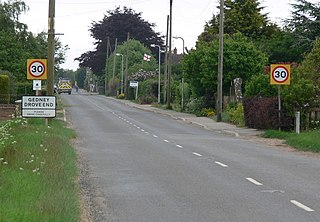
(182,82)
(153,45)
(220,62)
(118,54)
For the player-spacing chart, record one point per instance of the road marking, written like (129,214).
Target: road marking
(197,154)
(302,206)
(179,146)
(142,130)
(167,141)
(254,181)
(221,164)
(155,136)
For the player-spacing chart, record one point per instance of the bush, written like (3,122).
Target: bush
(4,89)
(263,113)
(236,114)
(195,106)
(121,96)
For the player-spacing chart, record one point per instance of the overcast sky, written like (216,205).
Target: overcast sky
(74,18)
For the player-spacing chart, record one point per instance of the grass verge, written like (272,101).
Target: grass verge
(305,141)
(37,172)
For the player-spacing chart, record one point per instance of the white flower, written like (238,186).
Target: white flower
(45,149)
(20,168)
(41,145)
(5,163)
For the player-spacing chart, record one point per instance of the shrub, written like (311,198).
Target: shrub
(236,114)
(195,106)
(4,89)
(263,113)
(121,96)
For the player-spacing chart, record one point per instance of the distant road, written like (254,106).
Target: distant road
(152,168)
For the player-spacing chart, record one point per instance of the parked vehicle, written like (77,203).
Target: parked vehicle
(64,86)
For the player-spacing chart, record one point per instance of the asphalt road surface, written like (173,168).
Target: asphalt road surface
(152,168)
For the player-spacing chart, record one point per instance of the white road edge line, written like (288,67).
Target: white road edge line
(221,164)
(302,206)
(179,146)
(64,115)
(254,181)
(197,154)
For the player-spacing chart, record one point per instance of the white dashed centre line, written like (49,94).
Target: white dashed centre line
(179,146)
(302,206)
(155,136)
(254,181)
(167,141)
(221,164)
(197,154)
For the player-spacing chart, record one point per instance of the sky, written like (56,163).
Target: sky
(74,18)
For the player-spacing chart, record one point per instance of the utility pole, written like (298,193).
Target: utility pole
(106,68)
(170,61)
(114,68)
(166,63)
(126,72)
(220,63)
(51,34)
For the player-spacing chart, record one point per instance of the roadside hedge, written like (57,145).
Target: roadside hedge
(4,89)
(262,113)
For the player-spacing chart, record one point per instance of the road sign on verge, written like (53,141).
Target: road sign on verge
(280,74)
(36,69)
(36,84)
(38,106)
(134,84)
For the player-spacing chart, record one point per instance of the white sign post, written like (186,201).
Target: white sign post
(39,106)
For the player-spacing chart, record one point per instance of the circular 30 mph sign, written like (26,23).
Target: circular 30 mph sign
(36,69)
(280,74)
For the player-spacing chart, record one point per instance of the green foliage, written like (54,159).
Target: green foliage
(241,59)
(80,77)
(121,96)
(117,24)
(235,114)
(147,91)
(195,106)
(304,141)
(304,23)
(245,16)
(259,85)
(38,172)
(310,67)
(17,44)
(4,89)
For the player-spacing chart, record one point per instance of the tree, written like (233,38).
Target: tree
(245,16)
(17,44)
(135,63)
(305,23)
(116,24)
(241,59)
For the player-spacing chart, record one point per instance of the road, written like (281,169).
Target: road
(150,167)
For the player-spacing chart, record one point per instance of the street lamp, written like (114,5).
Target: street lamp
(153,46)
(118,54)
(178,37)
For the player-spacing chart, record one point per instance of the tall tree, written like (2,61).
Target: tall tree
(17,44)
(305,23)
(245,16)
(116,24)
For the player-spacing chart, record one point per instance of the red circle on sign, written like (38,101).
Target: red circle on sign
(35,71)
(283,79)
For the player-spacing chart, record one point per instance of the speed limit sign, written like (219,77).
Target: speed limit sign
(36,69)
(280,74)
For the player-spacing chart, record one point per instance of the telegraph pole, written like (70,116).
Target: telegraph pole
(126,72)
(51,34)
(220,63)
(170,61)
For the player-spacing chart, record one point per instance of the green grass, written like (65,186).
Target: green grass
(305,141)
(37,172)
